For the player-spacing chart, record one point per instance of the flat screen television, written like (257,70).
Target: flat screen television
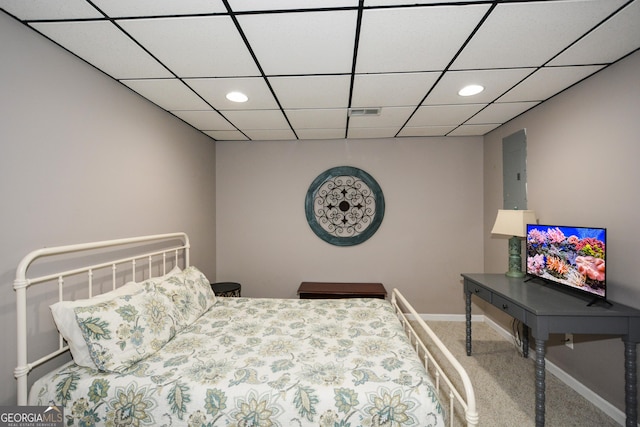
(570,257)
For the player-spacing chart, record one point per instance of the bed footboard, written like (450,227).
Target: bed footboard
(463,396)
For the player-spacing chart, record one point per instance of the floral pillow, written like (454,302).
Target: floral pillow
(122,331)
(190,291)
(64,317)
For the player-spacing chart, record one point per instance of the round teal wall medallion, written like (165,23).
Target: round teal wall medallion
(344,206)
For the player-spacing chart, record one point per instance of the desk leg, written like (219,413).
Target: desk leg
(468,320)
(630,384)
(525,341)
(540,382)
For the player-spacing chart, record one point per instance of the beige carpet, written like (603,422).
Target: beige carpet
(504,382)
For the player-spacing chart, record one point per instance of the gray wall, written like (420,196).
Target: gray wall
(83,158)
(582,168)
(431,232)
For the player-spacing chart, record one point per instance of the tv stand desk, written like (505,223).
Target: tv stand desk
(543,311)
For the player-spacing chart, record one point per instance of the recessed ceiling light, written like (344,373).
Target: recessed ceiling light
(470,90)
(237,97)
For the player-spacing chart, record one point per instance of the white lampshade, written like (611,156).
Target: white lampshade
(513,222)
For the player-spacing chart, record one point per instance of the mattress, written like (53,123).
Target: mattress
(261,362)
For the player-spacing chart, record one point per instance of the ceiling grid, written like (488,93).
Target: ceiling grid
(304,65)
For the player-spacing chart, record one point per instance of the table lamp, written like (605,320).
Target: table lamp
(514,223)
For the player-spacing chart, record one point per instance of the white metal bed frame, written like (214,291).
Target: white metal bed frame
(22,282)
(405,311)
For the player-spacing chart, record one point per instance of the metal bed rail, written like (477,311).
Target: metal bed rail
(404,310)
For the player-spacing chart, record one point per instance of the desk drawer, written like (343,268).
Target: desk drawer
(508,307)
(479,292)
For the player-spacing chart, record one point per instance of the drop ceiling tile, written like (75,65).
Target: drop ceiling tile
(318,118)
(609,42)
(397,89)
(443,115)
(426,130)
(546,82)
(473,130)
(303,42)
(170,94)
(324,133)
(530,34)
(312,91)
(372,132)
(204,120)
(255,5)
(389,117)
(195,46)
(495,82)
(414,39)
(226,135)
(257,119)
(101,44)
(128,8)
(48,9)
(270,134)
(500,113)
(369,3)
(215,90)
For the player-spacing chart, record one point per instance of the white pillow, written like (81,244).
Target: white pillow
(65,319)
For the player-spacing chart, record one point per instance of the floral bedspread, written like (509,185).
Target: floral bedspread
(262,362)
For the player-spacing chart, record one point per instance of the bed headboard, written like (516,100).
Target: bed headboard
(144,257)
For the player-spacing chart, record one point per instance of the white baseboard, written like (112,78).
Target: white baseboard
(616,414)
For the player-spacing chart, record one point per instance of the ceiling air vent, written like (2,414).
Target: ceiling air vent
(356,112)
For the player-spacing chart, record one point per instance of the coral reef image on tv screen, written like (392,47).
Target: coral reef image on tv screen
(571,256)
